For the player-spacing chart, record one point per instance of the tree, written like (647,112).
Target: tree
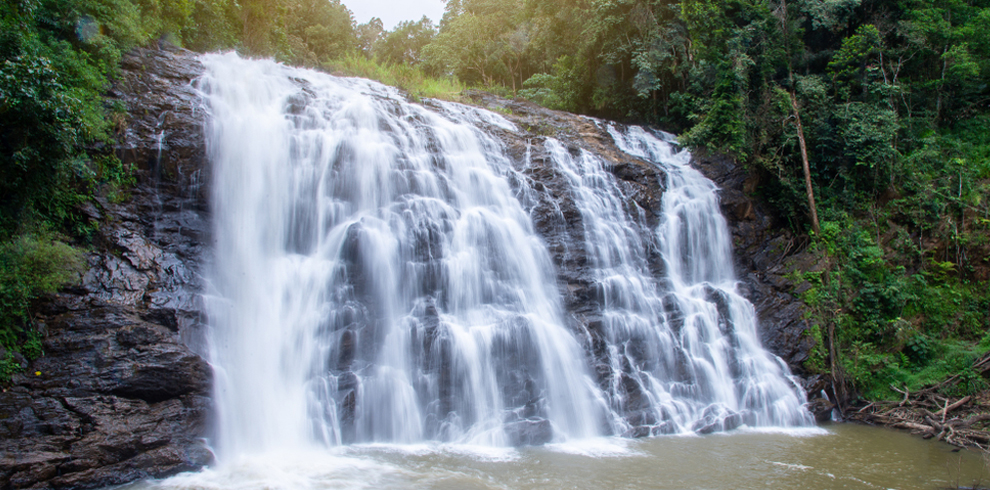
(405,43)
(367,35)
(469,47)
(785,27)
(324,29)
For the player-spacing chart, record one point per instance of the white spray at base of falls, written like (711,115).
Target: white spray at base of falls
(376,279)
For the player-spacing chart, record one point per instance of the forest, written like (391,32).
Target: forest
(878,109)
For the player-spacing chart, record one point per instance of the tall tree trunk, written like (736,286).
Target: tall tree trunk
(839,388)
(807,168)
(941,83)
(797,120)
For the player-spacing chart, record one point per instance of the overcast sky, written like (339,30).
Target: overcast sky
(394,11)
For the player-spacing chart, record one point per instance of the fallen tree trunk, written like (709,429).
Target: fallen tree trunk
(928,412)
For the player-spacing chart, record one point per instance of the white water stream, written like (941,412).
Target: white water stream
(377,280)
(720,375)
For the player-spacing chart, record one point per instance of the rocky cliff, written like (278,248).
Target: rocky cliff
(766,254)
(121,392)
(119,395)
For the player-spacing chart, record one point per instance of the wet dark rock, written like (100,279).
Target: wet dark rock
(665,428)
(815,385)
(163,137)
(635,402)
(821,408)
(766,256)
(717,418)
(110,389)
(638,431)
(529,432)
(118,394)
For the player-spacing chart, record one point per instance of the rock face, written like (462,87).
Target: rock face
(766,254)
(118,394)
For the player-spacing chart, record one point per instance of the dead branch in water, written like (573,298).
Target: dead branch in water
(928,413)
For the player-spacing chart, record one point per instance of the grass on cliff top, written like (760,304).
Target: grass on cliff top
(411,79)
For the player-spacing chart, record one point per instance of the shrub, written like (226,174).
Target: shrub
(31,265)
(412,79)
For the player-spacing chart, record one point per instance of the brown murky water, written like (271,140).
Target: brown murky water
(841,456)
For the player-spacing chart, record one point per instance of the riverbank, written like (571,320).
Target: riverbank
(933,413)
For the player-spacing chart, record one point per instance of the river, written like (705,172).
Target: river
(838,456)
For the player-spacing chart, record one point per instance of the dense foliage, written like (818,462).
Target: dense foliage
(54,121)
(893,100)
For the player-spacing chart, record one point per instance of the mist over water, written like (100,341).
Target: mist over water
(378,279)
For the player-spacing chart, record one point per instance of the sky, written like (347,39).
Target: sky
(394,11)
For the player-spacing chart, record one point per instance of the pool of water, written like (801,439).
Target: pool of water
(839,456)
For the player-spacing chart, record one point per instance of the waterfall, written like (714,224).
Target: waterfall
(377,278)
(683,348)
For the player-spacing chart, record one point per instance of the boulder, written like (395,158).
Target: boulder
(529,432)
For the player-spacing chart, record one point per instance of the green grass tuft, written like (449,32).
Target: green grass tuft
(413,80)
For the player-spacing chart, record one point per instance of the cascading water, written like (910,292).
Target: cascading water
(719,327)
(377,280)
(683,351)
